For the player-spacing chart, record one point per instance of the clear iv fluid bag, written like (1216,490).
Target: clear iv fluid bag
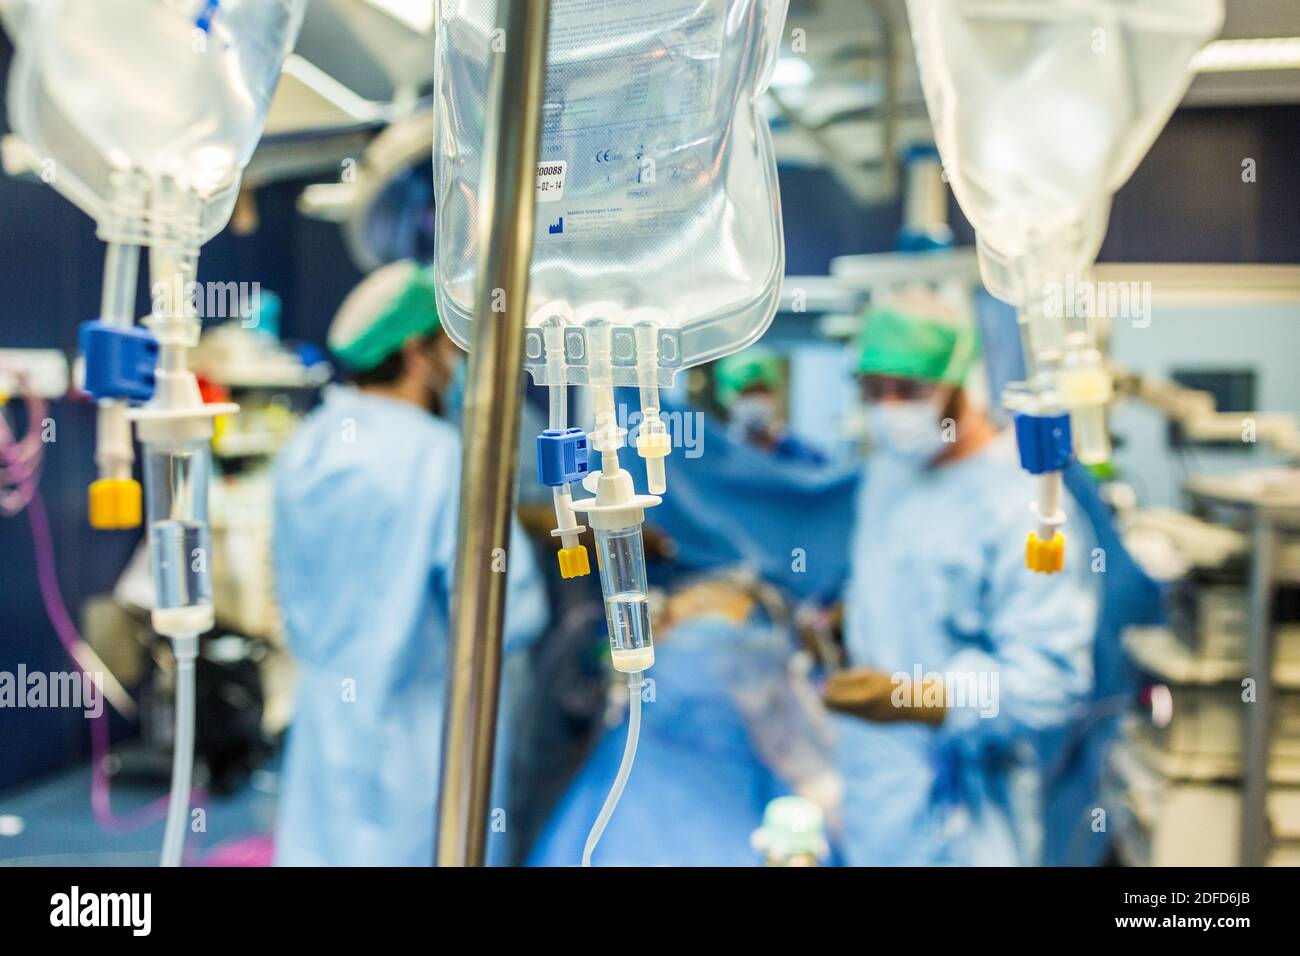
(1042,109)
(656,180)
(174,89)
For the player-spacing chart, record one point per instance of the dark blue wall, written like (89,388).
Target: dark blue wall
(1185,203)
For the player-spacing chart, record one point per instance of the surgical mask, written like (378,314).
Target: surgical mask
(753,414)
(908,432)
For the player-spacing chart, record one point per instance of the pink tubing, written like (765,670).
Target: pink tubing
(67,633)
(20,467)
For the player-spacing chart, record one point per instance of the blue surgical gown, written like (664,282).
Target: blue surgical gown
(366,497)
(938,582)
(729,502)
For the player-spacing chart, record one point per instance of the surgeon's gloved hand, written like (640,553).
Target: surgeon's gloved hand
(876,696)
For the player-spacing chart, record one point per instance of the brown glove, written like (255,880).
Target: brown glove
(874,695)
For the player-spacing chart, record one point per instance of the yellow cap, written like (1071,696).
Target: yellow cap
(574,562)
(1045,557)
(115,504)
(220,425)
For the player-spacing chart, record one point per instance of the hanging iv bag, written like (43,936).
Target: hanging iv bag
(657,201)
(120,95)
(1042,109)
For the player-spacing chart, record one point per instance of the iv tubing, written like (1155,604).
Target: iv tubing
(178,807)
(114,454)
(121,266)
(559,406)
(1050,515)
(624,770)
(652,442)
(607,437)
(566,523)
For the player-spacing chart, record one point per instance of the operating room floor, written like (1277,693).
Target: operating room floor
(51,823)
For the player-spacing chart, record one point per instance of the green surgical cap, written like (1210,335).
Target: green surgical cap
(744,370)
(903,345)
(386,309)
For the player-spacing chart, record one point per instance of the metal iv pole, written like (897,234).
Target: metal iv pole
(493,396)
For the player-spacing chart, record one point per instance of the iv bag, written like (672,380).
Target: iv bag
(161,89)
(1042,109)
(656,189)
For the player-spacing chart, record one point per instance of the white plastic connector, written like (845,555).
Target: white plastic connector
(607,437)
(653,443)
(616,505)
(567,528)
(114,450)
(1050,514)
(1086,389)
(177,411)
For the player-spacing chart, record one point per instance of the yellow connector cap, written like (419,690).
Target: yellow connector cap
(115,504)
(1045,557)
(574,562)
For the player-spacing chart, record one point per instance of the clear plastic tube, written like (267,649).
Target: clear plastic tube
(174,270)
(553,340)
(114,453)
(1042,338)
(558,392)
(616,517)
(176,484)
(627,605)
(559,406)
(178,805)
(566,523)
(653,442)
(121,270)
(1048,506)
(624,768)
(1086,390)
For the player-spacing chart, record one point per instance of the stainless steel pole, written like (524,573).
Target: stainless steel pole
(1255,835)
(493,395)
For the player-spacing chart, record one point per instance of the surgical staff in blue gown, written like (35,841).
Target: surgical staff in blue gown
(960,658)
(366,497)
(748,384)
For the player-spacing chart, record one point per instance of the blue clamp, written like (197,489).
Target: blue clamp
(562,456)
(1044,441)
(120,361)
(204,20)
(926,240)
(917,150)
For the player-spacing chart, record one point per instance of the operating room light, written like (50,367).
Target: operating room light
(416,14)
(1240,56)
(791,72)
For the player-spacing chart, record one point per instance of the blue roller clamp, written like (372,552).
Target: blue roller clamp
(562,456)
(1044,441)
(120,362)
